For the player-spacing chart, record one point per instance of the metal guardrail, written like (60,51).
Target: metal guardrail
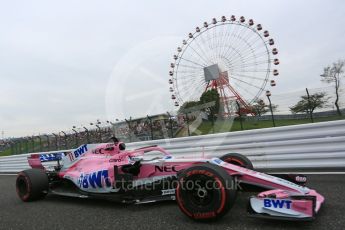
(309,146)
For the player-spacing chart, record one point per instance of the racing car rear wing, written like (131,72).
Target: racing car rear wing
(35,160)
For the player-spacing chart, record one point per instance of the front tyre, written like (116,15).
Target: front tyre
(32,184)
(205,192)
(237,159)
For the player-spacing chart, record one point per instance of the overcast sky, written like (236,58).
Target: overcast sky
(65,63)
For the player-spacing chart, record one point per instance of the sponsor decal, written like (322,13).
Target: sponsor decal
(217,161)
(97,151)
(275,203)
(301,179)
(166,168)
(97,179)
(80,151)
(204,215)
(168,192)
(115,160)
(198,171)
(50,157)
(71,156)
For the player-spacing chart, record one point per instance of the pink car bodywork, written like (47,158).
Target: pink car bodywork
(94,171)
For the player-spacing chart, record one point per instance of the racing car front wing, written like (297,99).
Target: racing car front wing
(277,204)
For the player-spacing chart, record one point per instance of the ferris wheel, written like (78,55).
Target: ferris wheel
(232,56)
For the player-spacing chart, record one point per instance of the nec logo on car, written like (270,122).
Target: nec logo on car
(273,203)
(80,151)
(166,168)
(94,179)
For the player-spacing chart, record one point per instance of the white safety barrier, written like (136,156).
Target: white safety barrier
(319,146)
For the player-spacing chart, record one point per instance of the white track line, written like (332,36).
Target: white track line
(7,174)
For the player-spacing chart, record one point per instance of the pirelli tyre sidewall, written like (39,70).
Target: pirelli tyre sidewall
(237,159)
(212,195)
(32,184)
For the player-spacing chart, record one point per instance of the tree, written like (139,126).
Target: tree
(260,107)
(210,96)
(188,104)
(316,101)
(333,74)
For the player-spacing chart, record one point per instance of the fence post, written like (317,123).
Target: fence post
(75,137)
(87,135)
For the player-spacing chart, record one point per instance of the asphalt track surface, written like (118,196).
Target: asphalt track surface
(55,212)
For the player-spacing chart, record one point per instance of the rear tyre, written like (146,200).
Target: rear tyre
(205,192)
(237,159)
(32,184)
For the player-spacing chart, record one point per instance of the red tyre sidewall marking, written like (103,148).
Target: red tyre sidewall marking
(203,172)
(200,215)
(228,160)
(179,200)
(223,197)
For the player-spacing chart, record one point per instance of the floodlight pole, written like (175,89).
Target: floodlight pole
(76,136)
(99,133)
(65,137)
(87,135)
(112,127)
(268,94)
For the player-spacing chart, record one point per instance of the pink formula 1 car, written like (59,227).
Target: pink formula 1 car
(204,188)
